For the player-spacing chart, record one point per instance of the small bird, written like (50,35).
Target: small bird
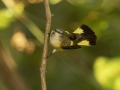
(63,40)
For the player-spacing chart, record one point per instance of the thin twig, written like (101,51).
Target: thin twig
(45,49)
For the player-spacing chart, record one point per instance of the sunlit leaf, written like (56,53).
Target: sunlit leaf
(107,72)
(54,1)
(77,2)
(6,17)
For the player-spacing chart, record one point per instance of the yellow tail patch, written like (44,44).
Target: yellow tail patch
(84,42)
(79,31)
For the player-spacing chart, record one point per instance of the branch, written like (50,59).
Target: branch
(45,49)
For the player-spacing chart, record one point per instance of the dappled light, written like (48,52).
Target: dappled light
(92,16)
(77,2)
(107,72)
(6,18)
(104,25)
(54,1)
(20,43)
(30,47)
(35,1)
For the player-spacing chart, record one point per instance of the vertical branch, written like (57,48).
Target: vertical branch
(45,49)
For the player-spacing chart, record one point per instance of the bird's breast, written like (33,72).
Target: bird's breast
(56,43)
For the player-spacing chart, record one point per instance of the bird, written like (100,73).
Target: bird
(63,40)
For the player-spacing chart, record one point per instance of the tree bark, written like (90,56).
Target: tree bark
(45,49)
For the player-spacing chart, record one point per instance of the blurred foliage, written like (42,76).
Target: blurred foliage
(22,25)
(6,18)
(107,72)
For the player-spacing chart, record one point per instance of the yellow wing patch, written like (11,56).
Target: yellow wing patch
(84,42)
(67,32)
(79,31)
(71,43)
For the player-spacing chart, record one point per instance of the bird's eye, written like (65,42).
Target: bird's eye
(57,31)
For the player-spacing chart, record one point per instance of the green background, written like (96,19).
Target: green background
(87,68)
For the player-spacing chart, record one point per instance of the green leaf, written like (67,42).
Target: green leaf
(6,17)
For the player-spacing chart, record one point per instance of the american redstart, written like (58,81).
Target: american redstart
(63,40)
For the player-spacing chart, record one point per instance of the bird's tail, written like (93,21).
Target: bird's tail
(87,36)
